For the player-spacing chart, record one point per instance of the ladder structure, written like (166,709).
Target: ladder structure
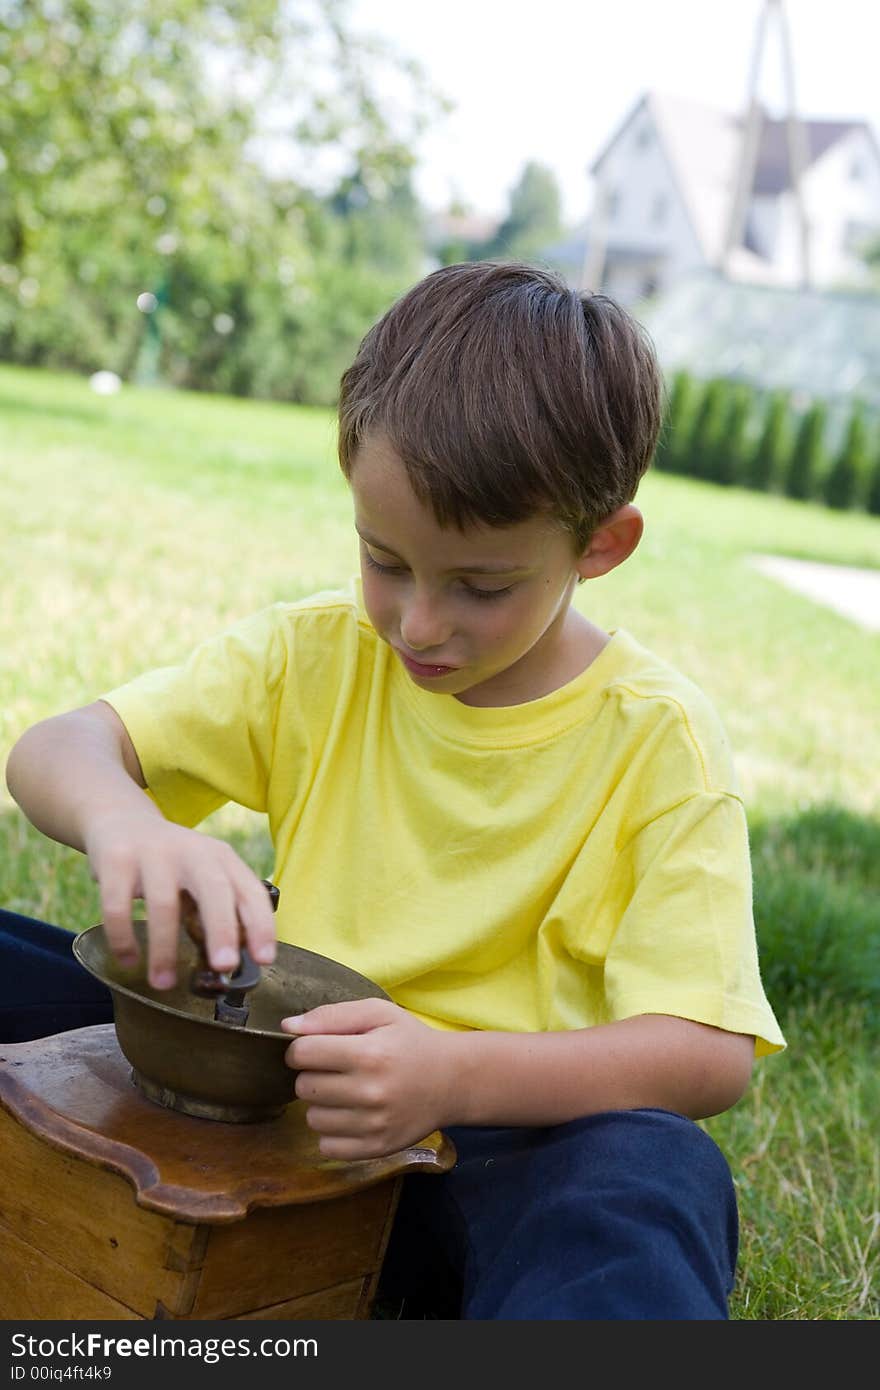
(796,135)
(593,266)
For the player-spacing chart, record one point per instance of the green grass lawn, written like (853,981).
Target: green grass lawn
(135,524)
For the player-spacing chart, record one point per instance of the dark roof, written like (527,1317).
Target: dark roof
(772,172)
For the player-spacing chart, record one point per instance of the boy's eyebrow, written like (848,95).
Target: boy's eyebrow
(461,569)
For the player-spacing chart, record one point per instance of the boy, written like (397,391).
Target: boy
(524,828)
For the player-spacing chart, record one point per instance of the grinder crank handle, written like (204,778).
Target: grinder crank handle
(208,982)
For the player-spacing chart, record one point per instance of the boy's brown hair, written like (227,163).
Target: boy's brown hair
(507,394)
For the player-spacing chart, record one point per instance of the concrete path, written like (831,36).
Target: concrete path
(853,592)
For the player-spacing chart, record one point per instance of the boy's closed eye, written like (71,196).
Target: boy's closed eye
(472,590)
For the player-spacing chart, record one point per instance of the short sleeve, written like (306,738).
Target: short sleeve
(685,943)
(204,730)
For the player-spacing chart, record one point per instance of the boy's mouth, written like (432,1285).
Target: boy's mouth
(419,668)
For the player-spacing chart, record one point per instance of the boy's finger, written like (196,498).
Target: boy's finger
(337,1123)
(116,901)
(328,1088)
(218,914)
(325,1052)
(257,920)
(351,1016)
(162,899)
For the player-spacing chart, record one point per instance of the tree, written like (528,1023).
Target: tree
(707,429)
(850,465)
(304,333)
(134,141)
(533,218)
(765,466)
(669,456)
(727,459)
(872,497)
(806,464)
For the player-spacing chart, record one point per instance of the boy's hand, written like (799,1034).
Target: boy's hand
(375,1079)
(145,856)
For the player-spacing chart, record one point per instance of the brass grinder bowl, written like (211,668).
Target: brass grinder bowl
(184,1059)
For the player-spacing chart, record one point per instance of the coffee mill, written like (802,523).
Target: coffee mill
(160,1166)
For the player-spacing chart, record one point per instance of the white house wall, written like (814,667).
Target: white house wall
(638,176)
(837,204)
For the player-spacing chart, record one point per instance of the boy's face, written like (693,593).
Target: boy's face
(483,614)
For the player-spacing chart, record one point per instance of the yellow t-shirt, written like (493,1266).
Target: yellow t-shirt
(552,865)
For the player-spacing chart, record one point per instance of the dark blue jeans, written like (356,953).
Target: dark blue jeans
(43,987)
(624,1215)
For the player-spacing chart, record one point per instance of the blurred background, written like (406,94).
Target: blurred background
(203,208)
(223,197)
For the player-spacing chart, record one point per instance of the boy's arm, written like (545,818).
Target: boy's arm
(77,777)
(65,770)
(653,1060)
(377,1079)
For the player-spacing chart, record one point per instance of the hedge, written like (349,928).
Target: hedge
(727,431)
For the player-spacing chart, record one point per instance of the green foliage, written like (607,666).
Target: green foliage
(707,429)
(133,162)
(706,434)
(297,346)
(533,217)
(727,459)
(871,256)
(806,464)
(765,466)
(817,905)
(872,496)
(670,456)
(849,468)
(803,1147)
(146,519)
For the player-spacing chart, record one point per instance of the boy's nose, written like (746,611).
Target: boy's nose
(423,626)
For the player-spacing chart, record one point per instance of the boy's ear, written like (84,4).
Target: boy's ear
(612,542)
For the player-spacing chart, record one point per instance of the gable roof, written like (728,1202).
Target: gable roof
(702,145)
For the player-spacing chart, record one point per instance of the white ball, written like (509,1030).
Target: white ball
(105,383)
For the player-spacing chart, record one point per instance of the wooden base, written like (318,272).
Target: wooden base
(113,1207)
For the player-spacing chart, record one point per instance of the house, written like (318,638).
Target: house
(664,185)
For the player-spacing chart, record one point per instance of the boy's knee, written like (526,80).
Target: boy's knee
(654,1147)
